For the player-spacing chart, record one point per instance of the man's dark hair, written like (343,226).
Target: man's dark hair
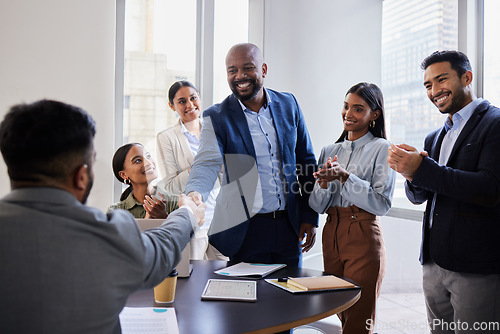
(458,60)
(45,140)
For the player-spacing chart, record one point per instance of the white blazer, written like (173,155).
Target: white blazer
(175,158)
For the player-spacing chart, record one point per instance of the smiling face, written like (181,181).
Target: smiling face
(356,116)
(446,90)
(138,166)
(245,72)
(187,104)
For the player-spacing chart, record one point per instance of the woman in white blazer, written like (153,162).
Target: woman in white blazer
(177,147)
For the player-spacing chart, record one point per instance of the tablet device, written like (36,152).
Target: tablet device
(236,290)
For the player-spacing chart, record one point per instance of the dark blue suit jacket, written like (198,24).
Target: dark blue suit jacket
(227,123)
(466,221)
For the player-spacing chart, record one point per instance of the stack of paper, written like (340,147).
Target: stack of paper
(152,320)
(251,270)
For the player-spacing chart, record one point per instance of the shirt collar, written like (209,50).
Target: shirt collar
(130,201)
(184,129)
(352,145)
(42,195)
(266,104)
(462,115)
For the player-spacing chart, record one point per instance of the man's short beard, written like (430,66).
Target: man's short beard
(457,102)
(89,187)
(256,88)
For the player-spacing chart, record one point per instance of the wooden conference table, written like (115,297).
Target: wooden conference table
(275,309)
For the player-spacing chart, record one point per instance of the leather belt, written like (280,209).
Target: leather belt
(274,215)
(352,211)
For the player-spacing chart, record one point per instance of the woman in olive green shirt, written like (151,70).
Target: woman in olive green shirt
(134,166)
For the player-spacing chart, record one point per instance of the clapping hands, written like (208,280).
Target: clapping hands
(155,208)
(331,171)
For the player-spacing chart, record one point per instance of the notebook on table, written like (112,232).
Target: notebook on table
(308,284)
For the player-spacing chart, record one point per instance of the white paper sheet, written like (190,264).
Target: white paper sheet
(151,320)
(251,270)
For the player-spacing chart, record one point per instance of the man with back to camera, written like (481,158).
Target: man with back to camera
(261,219)
(66,267)
(459,178)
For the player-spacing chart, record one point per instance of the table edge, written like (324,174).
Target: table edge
(307,320)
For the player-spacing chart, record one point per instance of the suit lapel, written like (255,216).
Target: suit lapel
(275,109)
(436,146)
(239,119)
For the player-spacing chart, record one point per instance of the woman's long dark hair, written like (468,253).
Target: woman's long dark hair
(118,162)
(372,95)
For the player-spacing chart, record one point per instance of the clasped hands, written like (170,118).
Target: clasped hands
(155,207)
(405,159)
(331,171)
(194,201)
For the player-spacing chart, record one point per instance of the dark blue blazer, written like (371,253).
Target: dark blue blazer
(230,127)
(465,229)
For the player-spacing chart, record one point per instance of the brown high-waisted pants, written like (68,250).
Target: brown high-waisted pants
(353,247)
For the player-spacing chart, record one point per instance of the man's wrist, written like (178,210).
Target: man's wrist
(194,223)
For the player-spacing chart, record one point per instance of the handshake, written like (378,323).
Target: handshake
(194,201)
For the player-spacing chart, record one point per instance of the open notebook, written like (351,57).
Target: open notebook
(309,284)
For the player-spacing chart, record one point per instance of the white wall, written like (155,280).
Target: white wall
(63,50)
(319,56)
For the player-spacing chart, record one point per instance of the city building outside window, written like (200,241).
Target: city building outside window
(412,30)
(160,49)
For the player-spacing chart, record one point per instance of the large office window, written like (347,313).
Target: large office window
(160,48)
(491,67)
(160,43)
(231,27)
(412,30)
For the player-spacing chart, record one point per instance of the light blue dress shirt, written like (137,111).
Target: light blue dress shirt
(453,127)
(270,194)
(370,185)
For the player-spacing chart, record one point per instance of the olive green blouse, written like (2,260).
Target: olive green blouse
(130,204)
